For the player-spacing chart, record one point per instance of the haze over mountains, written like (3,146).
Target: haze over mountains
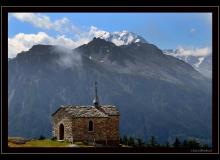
(201,63)
(156,94)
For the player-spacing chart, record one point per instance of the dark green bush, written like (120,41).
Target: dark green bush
(54,138)
(41,137)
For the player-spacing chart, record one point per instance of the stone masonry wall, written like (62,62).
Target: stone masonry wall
(113,130)
(81,129)
(106,130)
(62,118)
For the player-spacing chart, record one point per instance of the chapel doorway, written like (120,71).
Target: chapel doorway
(61,132)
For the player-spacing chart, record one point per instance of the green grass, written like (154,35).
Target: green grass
(37,143)
(12,142)
(79,143)
(46,143)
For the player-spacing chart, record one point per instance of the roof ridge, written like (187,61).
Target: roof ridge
(88,110)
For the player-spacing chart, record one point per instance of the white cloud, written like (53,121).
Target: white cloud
(44,22)
(68,58)
(196,52)
(192,30)
(23,42)
(36,19)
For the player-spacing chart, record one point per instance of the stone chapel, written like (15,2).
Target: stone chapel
(93,123)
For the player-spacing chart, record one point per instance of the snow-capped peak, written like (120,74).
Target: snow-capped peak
(200,59)
(118,38)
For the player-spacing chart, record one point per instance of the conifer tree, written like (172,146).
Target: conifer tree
(152,142)
(140,142)
(177,143)
(167,144)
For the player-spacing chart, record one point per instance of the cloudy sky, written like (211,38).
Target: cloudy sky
(189,32)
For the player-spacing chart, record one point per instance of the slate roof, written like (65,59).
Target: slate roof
(89,111)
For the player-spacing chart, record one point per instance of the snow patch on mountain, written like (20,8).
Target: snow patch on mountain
(118,38)
(23,42)
(200,58)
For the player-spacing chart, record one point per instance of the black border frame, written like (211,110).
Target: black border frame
(215,47)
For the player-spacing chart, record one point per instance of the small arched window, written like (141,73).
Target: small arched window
(90,126)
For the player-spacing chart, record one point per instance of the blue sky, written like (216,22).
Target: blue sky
(166,30)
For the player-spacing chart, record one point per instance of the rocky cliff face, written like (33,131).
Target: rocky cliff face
(155,93)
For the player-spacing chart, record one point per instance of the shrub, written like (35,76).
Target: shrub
(131,141)
(177,143)
(152,142)
(167,145)
(192,143)
(54,138)
(85,142)
(125,140)
(140,142)
(41,137)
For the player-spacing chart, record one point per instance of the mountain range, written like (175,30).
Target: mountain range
(118,38)
(156,94)
(203,64)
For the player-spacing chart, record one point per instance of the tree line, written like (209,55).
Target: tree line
(153,143)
